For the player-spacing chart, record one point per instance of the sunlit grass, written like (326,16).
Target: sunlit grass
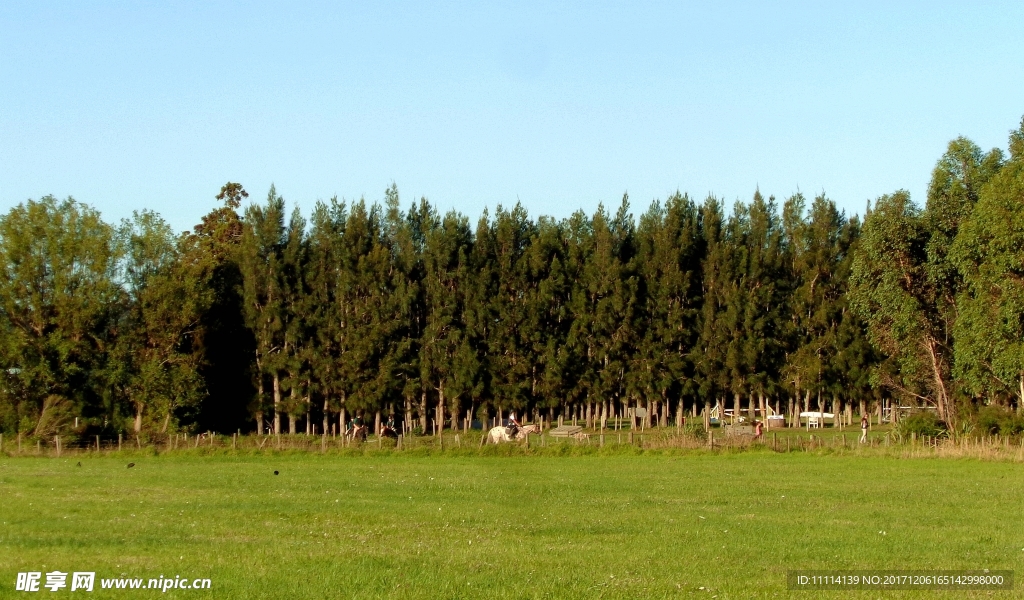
(406,526)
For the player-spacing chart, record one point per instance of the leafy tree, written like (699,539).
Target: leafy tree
(891,291)
(989,331)
(59,301)
(155,355)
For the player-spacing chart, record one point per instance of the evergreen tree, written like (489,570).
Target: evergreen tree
(225,345)
(260,250)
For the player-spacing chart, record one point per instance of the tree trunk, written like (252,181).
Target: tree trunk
(440,410)
(376,423)
(309,412)
(942,401)
(342,417)
(291,417)
(138,417)
(277,404)
(259,422)
(423,412)
(326,416)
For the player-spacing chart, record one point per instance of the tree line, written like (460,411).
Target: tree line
(262,319)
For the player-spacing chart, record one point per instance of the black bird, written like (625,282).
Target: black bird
(130,465)
(78,465)
(275,472)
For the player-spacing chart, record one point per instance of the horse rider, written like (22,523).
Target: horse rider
(354,425)
(513,425)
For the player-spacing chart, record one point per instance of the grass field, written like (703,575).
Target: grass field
(405,526)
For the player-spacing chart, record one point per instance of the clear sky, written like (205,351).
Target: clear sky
(130,105)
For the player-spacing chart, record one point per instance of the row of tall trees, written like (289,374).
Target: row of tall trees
(260,318)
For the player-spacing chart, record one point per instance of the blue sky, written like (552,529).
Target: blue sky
(130,105)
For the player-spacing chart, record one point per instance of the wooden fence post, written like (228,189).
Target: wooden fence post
(97,443)
(119,442)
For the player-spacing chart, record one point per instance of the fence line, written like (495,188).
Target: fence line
(986,448)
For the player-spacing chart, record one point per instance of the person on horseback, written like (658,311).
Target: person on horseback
(513,425)
(355,428)
(388,429)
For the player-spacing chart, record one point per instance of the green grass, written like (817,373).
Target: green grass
(406,526)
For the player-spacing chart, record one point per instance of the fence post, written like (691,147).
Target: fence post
(119,442)
(97,443)
(56,441)
(711,439)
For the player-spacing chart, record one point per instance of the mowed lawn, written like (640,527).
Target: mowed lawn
(400,526)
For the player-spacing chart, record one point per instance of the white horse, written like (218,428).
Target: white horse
(499,434)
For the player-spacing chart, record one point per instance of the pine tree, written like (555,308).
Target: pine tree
(260,250)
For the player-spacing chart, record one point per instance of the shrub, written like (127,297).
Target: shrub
(695,430)
(920,423)
(992,420)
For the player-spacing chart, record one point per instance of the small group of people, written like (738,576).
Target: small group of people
(865,424)
(356,428)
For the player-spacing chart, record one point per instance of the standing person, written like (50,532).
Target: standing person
(863,429)
(758,430)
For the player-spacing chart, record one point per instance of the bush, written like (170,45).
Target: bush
(695,430)
(922,423)
(992,420)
